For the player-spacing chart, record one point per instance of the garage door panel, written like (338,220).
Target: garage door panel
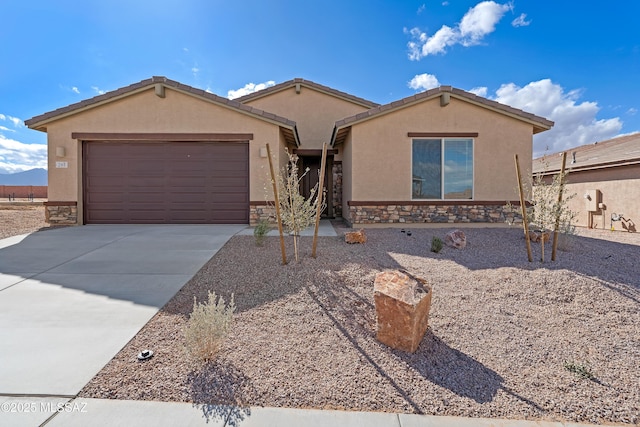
(112,150)
(108,216)
(104,197)
(113,181)
(223,217)
(232,184)
(146,167)
(166,182)
(225,190)
(228,172)
(200,166)
(227,198)
(154,199)
(144,182)
(140,151)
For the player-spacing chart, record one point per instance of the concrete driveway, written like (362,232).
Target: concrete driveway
(71,298)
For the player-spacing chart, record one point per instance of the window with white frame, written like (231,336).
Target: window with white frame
(442,168)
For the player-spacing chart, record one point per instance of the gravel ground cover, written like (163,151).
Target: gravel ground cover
(16,219)
(507,338)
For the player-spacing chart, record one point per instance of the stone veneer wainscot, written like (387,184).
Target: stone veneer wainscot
(61,213)
(428,212)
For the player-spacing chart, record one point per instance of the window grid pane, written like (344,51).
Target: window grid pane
(427,169)
(458,169)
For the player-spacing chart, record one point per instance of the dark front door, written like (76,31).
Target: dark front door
(310,180)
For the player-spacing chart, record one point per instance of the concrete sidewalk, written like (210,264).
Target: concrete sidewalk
(116,413)
(71,298)
(324,230)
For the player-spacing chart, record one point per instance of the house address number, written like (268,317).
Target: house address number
(62,165)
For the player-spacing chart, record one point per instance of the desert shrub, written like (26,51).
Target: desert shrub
(545,207)
(208,326)
(583,370)
(297,213)
(566,236)
(436,244)
(260,231)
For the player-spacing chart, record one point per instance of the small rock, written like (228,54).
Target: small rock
(355,236)
(535,236)
(456,239)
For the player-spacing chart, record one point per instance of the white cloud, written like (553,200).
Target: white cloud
(249,88)
(632,111)
(75,90)
(575,123)
(16,121)
(445,3)
(423,82)
(480,91)
(479,21)
(421,8)
(6,129)
(16,156)
(195,70)
(97,90)
(521,21)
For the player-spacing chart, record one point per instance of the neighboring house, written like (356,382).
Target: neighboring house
(605,178)
(159,151)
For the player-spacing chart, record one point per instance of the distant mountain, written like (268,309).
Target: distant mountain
(30,177)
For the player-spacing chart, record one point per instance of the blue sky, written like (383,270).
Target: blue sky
(577,63)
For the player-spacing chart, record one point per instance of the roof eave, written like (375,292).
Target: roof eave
(311,85)
(539,124)
(594,166)
(36,124)
(39,122)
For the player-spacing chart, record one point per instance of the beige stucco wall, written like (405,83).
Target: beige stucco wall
(314,112)
(145,112)
(381,150)
(620,190)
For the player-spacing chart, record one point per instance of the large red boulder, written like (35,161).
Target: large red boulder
(402,308)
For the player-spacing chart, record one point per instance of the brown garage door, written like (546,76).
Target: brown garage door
(166,182)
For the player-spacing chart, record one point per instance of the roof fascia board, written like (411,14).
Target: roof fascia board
(291,84)
(240,109)
(389,108)
(386,111)
(596,166)
(41,124)
(344,98)
(535,123)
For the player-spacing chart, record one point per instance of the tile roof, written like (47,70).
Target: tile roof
(39,122)
(539,123)
(321,88)
(621,151)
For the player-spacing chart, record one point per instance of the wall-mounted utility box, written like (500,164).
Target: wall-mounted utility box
(592,199)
